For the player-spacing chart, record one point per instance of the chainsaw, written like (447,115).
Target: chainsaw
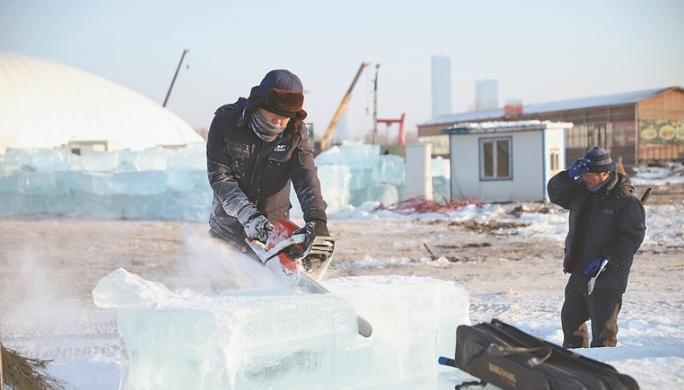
(284,254)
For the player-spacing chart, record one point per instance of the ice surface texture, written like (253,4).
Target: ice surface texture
(248,340)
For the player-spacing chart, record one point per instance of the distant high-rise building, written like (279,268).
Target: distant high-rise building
(486,95)
(441,85)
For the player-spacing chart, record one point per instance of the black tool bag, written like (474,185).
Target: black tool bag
(509,358)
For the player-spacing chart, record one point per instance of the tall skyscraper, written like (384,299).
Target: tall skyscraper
(486,94)
(441,85)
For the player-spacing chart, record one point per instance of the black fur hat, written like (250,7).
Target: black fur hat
(280,92)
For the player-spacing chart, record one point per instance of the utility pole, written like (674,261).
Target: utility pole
(185,51)
(375,104)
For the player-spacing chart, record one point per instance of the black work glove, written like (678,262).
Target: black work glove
(257,228)
(317,242)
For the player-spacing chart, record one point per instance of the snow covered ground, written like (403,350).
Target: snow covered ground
(506,256)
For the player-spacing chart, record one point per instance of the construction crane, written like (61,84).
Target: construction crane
(175,75)
(325,141)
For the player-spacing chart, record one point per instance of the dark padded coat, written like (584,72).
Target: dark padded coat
(251,176)
(609,224)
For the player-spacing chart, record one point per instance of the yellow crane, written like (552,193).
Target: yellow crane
(325,141)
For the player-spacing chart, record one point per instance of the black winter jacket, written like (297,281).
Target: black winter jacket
(609,224)
(251,176)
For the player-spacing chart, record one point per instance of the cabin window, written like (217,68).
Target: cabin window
(496,160)
(555,160)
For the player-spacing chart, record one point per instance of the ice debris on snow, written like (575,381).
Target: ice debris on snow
(286,340)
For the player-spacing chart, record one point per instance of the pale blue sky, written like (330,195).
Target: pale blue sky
(538,50)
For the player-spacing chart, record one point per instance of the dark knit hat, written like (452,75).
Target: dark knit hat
(280,92)
(599,160)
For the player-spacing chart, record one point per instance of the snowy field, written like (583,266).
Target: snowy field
(507,257)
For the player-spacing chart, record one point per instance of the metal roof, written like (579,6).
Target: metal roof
(497,127)
(561,105)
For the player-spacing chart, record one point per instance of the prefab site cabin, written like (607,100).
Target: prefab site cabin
(505,161)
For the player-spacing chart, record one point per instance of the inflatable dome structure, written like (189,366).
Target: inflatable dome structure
(44,104)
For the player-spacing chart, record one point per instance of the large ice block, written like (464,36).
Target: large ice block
(414,319)
(186,180)
(233,341)
(100,161)
(125,183)
(390,169)
(154,159)
(276,338)
(441,190)
(440,167)
(361,159)
(353,154)
(335,185)
(384,193)
(192,157)
(151,184)
(40,160)
(372,177)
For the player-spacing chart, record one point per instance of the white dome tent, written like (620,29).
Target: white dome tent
(45,104)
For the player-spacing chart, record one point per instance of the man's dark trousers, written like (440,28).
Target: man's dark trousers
(601,308)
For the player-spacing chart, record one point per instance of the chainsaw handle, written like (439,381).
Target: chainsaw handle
(282,245)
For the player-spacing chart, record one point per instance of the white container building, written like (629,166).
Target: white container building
(505,161)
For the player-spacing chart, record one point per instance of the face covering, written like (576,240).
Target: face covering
(264,129)
(601,186)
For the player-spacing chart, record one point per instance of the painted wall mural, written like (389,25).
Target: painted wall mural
(661,132)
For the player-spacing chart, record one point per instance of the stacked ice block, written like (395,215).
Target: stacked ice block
(284,339)
(172,184)
(151,184)
(372,177)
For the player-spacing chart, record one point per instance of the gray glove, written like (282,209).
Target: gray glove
(257,228)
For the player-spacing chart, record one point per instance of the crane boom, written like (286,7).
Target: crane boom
(175,75)
(340,109)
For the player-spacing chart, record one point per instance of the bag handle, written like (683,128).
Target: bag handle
(498,350)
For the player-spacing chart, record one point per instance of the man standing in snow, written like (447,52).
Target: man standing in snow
(256,147)
(607,226)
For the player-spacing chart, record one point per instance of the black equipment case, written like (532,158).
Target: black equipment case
(509,358)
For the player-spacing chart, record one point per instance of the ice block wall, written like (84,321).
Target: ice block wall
(373,177)
(151,184)
(172,184)
(282,340)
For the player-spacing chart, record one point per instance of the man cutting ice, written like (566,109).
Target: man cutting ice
(256,148)
(607,226)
